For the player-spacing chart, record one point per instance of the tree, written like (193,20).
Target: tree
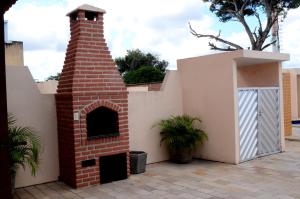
(54,77)
(239,10)
(136,59)
(144,74)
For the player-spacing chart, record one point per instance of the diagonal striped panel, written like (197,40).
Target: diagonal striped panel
(248,123)
(269,129)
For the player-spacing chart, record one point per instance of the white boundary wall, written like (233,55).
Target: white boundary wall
(198,88)
(36,110)
(146,109)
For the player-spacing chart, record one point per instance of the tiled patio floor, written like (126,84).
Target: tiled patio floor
(276,176)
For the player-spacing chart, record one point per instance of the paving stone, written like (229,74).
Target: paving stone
(275,176)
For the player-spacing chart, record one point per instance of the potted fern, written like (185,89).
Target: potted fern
(181,137)
(24,148)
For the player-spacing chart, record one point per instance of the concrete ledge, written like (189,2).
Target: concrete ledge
(293,138)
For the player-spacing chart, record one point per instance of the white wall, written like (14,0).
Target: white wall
(146,108)
(36,110)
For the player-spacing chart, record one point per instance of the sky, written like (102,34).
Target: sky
(156,26)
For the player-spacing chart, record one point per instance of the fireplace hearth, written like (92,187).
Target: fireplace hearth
(102,122)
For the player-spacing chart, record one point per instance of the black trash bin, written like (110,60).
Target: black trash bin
(138,161)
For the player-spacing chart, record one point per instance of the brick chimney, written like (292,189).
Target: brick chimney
(92,106)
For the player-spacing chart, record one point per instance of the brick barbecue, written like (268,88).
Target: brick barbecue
(92,106)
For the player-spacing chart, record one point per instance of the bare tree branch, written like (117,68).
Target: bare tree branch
(254,33)
(244,5)
(214,47)
(240,10)
(269,44)
(235,6)
(217,38)
(270,22)
(247,29)
(259,23)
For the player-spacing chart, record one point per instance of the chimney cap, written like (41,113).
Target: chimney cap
(86,7)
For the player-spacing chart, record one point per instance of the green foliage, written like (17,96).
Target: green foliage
(222,8)
(179,133)
(136,59)
(54,77)
(145,74)
(226,10)
(24,147)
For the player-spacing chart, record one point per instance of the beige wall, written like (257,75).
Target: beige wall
(146,109)
(34,109)
(260,75)
(298,96)
(208,92)
(47,87)
(14,54)
(137,89)
(294,93)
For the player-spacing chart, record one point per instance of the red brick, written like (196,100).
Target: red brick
(89,80)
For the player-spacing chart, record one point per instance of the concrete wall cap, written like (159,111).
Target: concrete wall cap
(86,7)
(245,57)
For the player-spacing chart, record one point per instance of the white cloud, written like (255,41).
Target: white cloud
(40,27)
(156,26)
(45,33)
(160,27)
(240,38)
(43,63)
(290,38)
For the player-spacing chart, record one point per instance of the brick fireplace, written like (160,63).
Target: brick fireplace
(92,106)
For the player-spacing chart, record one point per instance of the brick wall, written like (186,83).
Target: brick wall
(287,103)
(89,80)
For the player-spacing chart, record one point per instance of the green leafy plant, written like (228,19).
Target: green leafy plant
(138,67)
(134,59)
(24,147)
(54,77)
(181,136)
(145,74)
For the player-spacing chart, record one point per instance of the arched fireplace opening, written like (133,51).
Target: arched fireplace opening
(102,122)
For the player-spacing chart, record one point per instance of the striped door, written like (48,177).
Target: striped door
(248,123)
(268,121)
(259,122)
